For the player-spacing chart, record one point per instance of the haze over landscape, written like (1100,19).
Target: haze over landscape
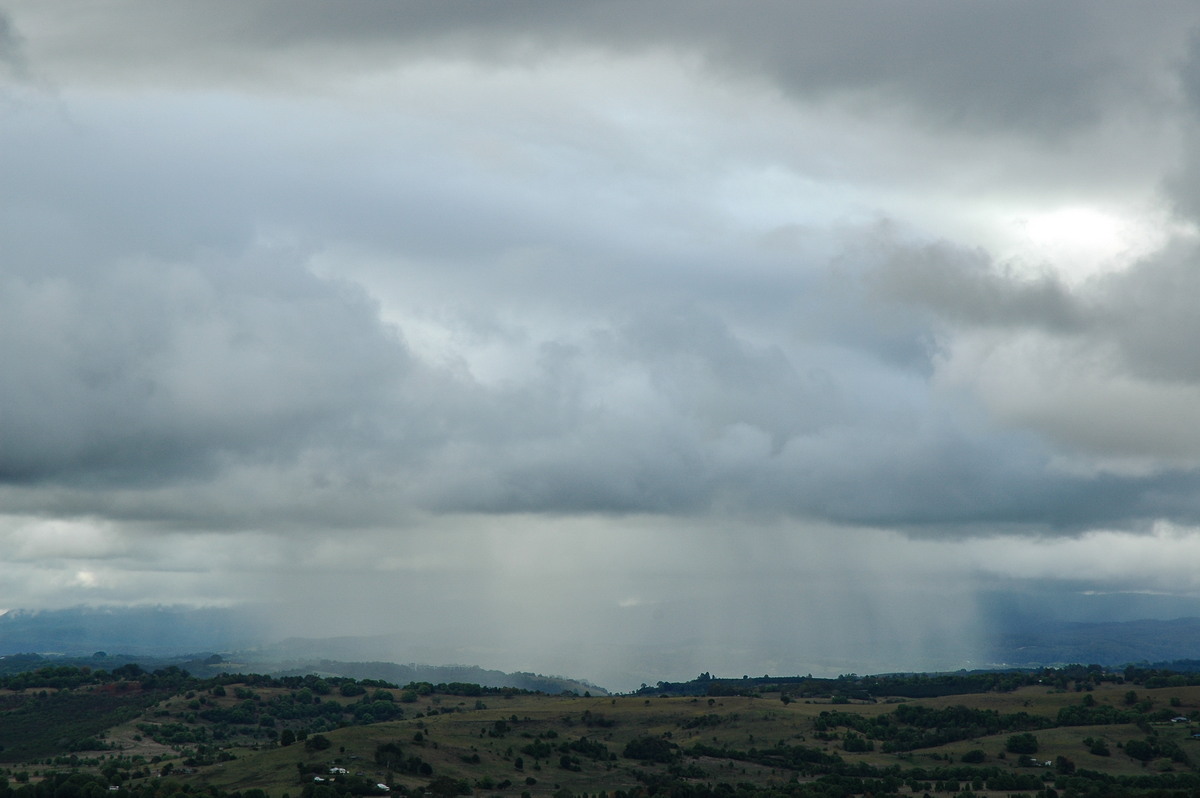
(621,340)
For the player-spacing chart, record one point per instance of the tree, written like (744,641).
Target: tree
(287,738)
(389,755)
(1022,744)
(1141,750)
(317,742)
(651,749)
(855,743)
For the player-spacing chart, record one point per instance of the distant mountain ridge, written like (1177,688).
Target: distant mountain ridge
(207,642)
(434,674)
(153,631)
(1103,643)
(188,637)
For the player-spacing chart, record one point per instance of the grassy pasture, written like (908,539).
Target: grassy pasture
(465,745)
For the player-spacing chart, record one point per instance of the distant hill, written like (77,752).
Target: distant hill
(405,674)
(188,638)
(208,642)
(207,666)
(1101,643)
(153,631)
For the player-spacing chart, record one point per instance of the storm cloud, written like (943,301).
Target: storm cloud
(720,310)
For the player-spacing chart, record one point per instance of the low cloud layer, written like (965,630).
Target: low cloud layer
(288,296)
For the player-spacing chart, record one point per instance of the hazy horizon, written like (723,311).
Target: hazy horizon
(596,338)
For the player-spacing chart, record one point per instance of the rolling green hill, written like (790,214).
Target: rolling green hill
(1077,731)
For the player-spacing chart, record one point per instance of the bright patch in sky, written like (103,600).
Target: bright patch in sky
(1076,228)
(1077,242)
(86,579)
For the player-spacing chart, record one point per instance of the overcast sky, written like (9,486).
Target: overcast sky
(618,339)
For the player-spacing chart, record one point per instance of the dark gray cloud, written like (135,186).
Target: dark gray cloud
(1105,366)
(1022,66)
(11,55)
(152,371)
(1146,311)
(964,287)
(127,374)
(1181,185)
(270,368)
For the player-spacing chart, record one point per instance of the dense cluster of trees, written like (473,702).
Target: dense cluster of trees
(911,726)
(84,785)
(67,677)
(931,685)
(839,779)
(651,749)
(43,723)
(830,775)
